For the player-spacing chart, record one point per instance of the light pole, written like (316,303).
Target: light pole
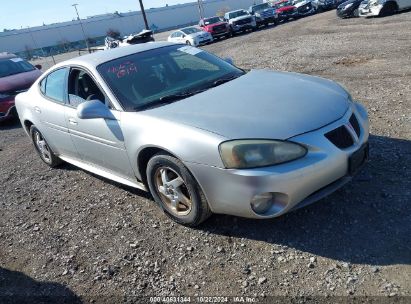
(82,28)
(144,13)
(200,8)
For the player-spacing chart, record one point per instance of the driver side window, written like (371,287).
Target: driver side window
(82,87)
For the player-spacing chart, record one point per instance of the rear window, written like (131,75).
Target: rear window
(12,66)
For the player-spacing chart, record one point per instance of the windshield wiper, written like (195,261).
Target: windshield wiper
(224,80)
(167,99)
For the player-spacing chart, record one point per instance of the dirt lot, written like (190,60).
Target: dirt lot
(67,232)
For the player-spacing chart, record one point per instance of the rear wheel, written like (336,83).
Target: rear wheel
(43,149)
(176,191)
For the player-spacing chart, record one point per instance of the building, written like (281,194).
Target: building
(59,34)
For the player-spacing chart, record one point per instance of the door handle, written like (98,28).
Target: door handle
(37,109)
(72,121)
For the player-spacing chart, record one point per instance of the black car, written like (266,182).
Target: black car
(348,9)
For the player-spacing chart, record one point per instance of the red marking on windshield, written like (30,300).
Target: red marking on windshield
(124,69)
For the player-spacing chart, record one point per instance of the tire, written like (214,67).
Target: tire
(168,177)
(42,148)
(388,9)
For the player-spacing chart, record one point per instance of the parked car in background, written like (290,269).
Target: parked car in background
(324,5)
(264,14)
(304,7)
(349,9)
(216,27)
(143,37)
(285,10)
(191,36)
(240,21)
(383,7)
(202,135)
(16,76)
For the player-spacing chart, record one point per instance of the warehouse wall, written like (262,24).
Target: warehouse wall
(126,23)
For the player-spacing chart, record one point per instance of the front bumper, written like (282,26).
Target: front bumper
(286,16)
(324,169)
(370,11)
(243,27)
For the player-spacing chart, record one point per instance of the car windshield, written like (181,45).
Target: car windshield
(190,30)
(145,79)
(282,4)
(12,66)
(212,20)
(260,7)
(237,14)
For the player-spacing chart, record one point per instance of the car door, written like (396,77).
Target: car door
(99,141)
(49,110)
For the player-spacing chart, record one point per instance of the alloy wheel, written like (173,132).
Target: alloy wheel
(173,191)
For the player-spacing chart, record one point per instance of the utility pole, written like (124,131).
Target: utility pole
(82,28)
(200,8)
(144,14)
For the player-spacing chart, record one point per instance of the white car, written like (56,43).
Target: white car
(191,36)
(383,7)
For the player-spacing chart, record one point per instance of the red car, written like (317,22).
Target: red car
(216,27)
(16,76)
(285,10)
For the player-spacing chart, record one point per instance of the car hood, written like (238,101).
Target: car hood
(285,8)
(299,4)
(261,104)
(21,81)
(199,34)
(211,26)
(240,18)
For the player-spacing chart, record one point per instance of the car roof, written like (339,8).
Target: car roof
(94,59)
(6,55)
(239,10)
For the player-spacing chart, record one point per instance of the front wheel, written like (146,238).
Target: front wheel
(43,149)
(176,191)
(388,9)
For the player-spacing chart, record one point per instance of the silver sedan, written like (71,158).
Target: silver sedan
(202,135)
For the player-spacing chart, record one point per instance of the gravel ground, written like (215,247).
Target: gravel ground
(69,233)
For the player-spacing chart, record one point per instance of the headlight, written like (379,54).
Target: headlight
(348,5)
(253,153)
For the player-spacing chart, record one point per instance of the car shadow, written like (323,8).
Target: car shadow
(16,287)
(368,221)
(10,124)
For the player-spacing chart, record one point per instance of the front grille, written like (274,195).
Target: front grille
(219,28)
(267,13)
(340,137)
(355,125)
(243,21)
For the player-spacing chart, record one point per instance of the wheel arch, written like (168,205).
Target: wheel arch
(27,125)
(144,156)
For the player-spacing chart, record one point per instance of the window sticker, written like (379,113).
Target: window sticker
(190,50)
(16,59)
(124,69)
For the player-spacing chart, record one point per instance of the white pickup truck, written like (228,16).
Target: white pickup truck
(382,7)
(240,21)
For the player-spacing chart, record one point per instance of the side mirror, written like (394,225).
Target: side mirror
(38,66)
(183,36)
(94,109)
(229,60)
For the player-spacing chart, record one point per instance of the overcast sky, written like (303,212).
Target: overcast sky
(22,13)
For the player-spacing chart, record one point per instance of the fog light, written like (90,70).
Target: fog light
(261,203)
